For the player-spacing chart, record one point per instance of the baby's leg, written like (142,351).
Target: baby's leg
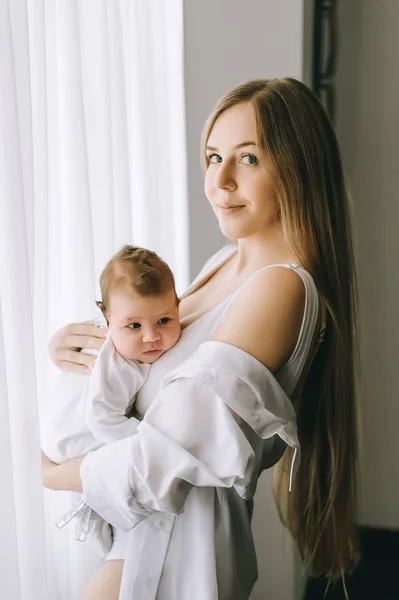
(106,584)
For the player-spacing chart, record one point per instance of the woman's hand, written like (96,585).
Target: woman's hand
(65,346)
(62,477)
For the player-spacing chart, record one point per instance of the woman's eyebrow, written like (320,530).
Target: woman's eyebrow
(241,145)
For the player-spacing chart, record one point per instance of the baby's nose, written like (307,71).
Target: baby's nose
(151,335)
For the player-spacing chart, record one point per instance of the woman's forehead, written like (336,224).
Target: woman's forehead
(235,127)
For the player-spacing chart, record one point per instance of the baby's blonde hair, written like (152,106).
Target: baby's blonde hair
(139,268)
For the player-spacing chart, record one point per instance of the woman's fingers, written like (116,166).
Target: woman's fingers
(84,330)
(65,343)
(83,341)
(84,336)
(73,367)
(73,356)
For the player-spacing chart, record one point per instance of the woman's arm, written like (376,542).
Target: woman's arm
(68,473)
(265,318)
(189,436)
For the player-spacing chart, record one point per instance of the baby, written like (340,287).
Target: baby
(140,310)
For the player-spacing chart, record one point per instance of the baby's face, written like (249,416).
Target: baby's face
(143,328)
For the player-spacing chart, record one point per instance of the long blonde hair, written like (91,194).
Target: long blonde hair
(298,139)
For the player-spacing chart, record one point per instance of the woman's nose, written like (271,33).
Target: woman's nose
(224,178)
(151,334)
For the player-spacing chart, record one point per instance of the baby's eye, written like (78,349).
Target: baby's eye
(164,320)
(214,158)
(249,159)
(134,326)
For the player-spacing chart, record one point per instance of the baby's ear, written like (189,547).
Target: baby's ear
(100,305)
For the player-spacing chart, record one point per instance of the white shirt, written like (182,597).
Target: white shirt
(84,413)
(184,483)
(111,391)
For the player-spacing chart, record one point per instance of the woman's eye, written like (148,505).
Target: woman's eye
(249,159)
(164,320)
(134,326)
(214,158)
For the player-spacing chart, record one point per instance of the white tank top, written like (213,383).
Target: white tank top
(202,329)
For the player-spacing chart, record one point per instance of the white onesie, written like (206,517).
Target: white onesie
(96,407)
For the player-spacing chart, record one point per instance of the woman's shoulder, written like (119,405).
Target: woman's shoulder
(265,317)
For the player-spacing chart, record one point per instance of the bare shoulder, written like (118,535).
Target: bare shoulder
(265,317)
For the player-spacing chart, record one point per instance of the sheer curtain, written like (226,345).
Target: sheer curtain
(92,156)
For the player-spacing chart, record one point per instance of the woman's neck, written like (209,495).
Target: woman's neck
(255,252)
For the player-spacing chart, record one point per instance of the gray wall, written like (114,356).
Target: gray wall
(368,130)
(228,42)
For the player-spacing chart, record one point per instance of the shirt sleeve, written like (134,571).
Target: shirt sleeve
(64,434)
(113,385)
(190,437)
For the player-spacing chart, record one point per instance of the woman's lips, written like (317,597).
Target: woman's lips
(229,209)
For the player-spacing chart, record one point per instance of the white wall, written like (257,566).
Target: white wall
(228,42)
(368,129)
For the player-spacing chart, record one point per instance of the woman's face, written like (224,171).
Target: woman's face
(238,183)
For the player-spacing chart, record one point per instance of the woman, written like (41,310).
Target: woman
(267,322)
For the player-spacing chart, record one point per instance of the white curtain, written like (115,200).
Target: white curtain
(92,156)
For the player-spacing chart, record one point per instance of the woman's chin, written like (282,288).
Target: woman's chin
(233,231)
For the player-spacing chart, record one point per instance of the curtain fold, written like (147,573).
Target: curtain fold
(92,156)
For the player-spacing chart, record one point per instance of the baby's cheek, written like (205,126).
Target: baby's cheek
(131,346)
(120,339)
(174,336)
(113,333)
